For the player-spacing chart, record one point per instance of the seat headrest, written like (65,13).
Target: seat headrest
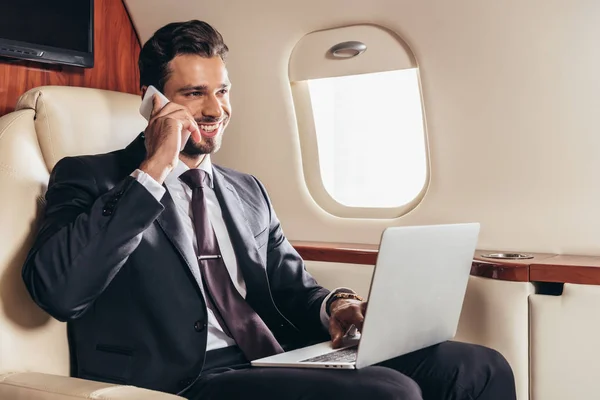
(72,121)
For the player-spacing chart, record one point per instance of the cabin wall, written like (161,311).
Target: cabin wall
(511,101)
(116,53)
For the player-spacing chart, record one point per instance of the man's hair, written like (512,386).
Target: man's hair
(191,37)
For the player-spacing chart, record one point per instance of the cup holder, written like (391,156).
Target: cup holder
(507,256)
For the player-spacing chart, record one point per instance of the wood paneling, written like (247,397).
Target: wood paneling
(543,267)
(115,66)
(349,253)
(567,269)
(514,273)
(502,269)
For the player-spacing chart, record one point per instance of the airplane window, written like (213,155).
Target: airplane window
(370,137)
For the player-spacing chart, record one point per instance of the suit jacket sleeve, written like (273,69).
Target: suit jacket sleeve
(295,292)
(86,236)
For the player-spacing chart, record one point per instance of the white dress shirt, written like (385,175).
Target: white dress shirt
(182,196)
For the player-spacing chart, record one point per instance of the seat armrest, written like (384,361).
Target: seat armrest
(37,386)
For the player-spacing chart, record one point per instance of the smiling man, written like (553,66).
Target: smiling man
(173,272)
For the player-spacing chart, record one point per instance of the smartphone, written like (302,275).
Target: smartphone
(146,106)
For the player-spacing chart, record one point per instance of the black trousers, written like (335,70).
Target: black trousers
(448,371)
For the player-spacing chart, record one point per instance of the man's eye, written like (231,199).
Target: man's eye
(224,91)
(193,94)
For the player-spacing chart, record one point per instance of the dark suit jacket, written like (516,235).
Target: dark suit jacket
(112,261)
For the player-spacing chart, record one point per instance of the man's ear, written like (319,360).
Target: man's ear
(144,88)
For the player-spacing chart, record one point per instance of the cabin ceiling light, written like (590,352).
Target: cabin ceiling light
(348,49)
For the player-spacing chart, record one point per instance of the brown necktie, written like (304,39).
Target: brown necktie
(234,314)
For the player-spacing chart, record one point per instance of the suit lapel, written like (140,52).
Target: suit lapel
(250,261)
(169,221)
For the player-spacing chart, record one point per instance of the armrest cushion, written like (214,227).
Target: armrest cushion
(37,386)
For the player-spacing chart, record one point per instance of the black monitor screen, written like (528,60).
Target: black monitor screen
(63,24)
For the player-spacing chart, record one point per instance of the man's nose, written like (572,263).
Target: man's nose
(212,107)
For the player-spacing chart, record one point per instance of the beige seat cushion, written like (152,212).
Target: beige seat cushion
(35,386)
(74,121)
(29,339)
(49,123)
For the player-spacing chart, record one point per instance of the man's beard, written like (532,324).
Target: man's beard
(206,146)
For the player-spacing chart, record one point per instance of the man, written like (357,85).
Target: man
(172,272)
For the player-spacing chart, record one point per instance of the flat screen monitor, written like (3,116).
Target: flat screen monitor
(49,31)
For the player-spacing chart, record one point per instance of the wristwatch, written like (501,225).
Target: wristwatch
(341,294)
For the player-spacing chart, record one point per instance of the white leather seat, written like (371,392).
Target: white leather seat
(49,123)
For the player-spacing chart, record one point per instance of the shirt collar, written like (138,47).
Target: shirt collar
(180,168)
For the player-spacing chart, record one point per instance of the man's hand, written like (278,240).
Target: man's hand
(344,314)
(168,130)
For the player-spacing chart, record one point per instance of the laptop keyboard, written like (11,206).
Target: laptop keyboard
(345,355)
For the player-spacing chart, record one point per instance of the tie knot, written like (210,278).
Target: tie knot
(194,178)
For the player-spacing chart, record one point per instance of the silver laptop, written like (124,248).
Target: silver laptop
(415,299)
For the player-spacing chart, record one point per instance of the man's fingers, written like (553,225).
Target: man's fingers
(188,122)
(195,131)
(185,117)
(156,106)
(358,318)
(190,125)
(337,333)
(165,109)
(350,314)
(172,110)
(176,111)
